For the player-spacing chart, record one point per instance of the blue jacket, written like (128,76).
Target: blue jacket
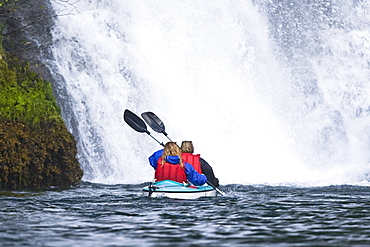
(191,174)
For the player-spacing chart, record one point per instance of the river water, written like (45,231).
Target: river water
(117,215)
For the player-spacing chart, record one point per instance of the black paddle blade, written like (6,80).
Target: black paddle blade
(135,122)
(154,122)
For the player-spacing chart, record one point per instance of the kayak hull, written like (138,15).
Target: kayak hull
(172,189)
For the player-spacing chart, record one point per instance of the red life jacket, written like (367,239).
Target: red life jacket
(192,159)
(169,171)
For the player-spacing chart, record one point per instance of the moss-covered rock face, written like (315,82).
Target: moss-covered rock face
(36,149)
(37,157)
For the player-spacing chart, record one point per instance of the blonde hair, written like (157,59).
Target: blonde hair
(171,149)
(187,147)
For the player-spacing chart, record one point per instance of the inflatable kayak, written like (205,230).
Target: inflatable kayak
(172,189)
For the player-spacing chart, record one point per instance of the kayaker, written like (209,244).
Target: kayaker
(168,165)
(198,163)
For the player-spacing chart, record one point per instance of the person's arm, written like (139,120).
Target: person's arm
(208,171)
(193,176)
(153,160)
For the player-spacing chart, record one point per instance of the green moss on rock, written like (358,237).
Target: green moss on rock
(24,95)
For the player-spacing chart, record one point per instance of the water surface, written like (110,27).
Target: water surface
(117,215)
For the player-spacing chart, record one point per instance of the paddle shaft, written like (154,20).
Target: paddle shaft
(217,189)
(160,143)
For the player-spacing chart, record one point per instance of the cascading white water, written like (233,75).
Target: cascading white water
(264,96)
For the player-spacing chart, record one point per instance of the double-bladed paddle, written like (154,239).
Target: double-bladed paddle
(137,123)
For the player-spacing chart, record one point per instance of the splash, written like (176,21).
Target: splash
(272,92)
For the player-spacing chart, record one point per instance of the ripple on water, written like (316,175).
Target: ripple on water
(108,215)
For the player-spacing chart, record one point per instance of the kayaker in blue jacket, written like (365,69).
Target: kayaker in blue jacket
(168,165)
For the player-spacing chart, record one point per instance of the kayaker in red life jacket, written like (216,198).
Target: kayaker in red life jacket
(168,165)
(198,163)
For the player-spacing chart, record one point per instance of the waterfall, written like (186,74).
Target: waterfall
(270,92)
